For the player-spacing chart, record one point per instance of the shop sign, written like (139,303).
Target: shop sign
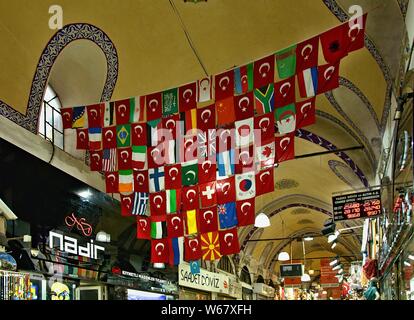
(205,280)
(291,270)
(80,224)
(357,205)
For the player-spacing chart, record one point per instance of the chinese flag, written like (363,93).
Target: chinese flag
(285,92)
(187,97)
(246,211)
(207,171)
(264,71)
(229,242)
(192,248)
(122,111)
(159,251)
(67,115)
(95,115)
(141,181)
(207,220)
(244,158)
(112,182)
(305,113)
(225,111)
(307,54)
(328,77)
(285,147)
(109,137)
(124,159)
(169,124)
(189,198)
(208,196)
(206,118)
(265,182)
(139,134)
(264,126)
(210,246)
(158,203)
(172,177)
(335,43)
(226,191)
(224,85)
(244,106)
(82,139)
(143,228)
(127,202)
(175,225)
(96,160)
(154,106)
(356,33)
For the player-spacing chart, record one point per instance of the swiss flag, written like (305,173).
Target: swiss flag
(207,220)
(159,251)
(187,97)
(95,112)
(229,242)
(96,160)
(207,171)
(244,158)
(305,113)
(307,54)
(109,137)
(127,203)
(67,115)
(224,85)
(82,139)
(154,106)
(208,195)
(356,33)
(169,124)
(138,134)
(141,181)
(328,77)
(246,211)
(158,203)
(192,248)
(244,106)
(189,198)
(124,158)
(285,147)
(264,71)
(144,228)
(172,177)
(155,157)
(285,92)
(122,111)
(206,118)
(265,182)
(226,191)
(335,43)
(264,126)
(226,137)
(175,225)
(112,182)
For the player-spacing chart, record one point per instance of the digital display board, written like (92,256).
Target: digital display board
(291,270)
(357,205)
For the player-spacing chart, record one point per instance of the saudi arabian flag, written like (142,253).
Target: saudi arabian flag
(285,118)
(123,135)
(189,173)
(170,102)
(286,62)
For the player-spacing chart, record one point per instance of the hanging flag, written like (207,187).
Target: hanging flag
(265,154)
(126,204)
(144,228)
(154,106)
(192,248)
(137,109)
(206,144)
(124,159)
(188,122)
(190,149)
(226,190)
(159,251)
(356,33)
(139,134)
(122,111)
(227,215)
(126,181)
(156,179)
(95,138)
(109,114)
(285,92)
(224,85)
(245,186)
(207,220)
(109,137)
(176,251)
(187,97)
(229,242)
(244,132)
(265,182)
(170,102)
(109,160)
(173,200)
(206,118)
(308,82)
(264,126)
(328,77)
(226,163)
(285,119)
(189,173)
(189,198)
(170,125)
(225,138)
(335,43)
(210,246)
(207,171)
(264,98)
(175,225)
(95,115)
(173,177)
(305,113)
(112,182)
(96,160)
(82,141)
(156,156)
(244,106)
(191,221)
(208,196)
(79,117)
(285,147)
(158,203)
(307,54)
(195,267)
(154,128)
(246,211)
(67,116)
(225,111)
(159,227)
(140,207)
(139,157)
(245,159)
(204,89)
(243,79)
(141,181)
(286,62)
(264,71)
(123,135)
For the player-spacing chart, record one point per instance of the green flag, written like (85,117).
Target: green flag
(123,135)
(189,173)
(170,102)
(158,229)
(285,118)
(286,62)
(173,200)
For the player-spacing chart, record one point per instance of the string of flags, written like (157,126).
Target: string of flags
(190,173)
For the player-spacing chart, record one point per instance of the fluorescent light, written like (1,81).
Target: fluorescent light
(305,278)
(333,245)
(340,271)
(262,221)
(411,257)
(332,238)
(407,264)
(159,265)
(85,194)
(308,238)
(102,236)
(332,263)
(283,256)
(337,267)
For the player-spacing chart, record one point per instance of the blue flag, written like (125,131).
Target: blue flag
(227,215)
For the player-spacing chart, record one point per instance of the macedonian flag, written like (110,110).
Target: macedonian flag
(210,246)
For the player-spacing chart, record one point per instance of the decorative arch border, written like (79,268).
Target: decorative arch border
(62,38)
(333,164)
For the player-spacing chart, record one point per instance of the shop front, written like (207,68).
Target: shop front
(235,289)
(263,291)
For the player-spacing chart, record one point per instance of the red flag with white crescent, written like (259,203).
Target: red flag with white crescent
(285,92)
(328,77)
(307,54)
(305,113)
(122,111)
(96,160)
(189,198)
(246,211)
(224,85)
(112,182)
(192,248)
(244,106)
(187,97)
(207,220)
(206,118)
(229,242)
(154,106)
(95,113)
(67,115)
(127,203)
(138,134)
(82,139)
(169,124)
(124,158)
(265,182)
(158,203)
(244,158)
(109,137)
(264,71)
(207,170)
(159,251)
(143,228)
(264,126)
(356,33)
(175,225)
(172,177)
(285,147)
(141,181)
(226,190)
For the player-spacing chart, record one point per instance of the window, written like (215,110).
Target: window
(50,119)
(245,275)
(225,265)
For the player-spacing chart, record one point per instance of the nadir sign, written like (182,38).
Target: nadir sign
(81,224)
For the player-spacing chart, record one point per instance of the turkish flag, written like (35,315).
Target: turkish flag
(244,106)
(189,198)
(67,115)
(190,148)
(124,158)
(112,182)
(305,113)
(328,77)
(159,251)
(96,160)
(139,134)
(187,97)
(246,211)
(82,139)
(169,126)
(206,118)
(285,92)
(158,203)
(192,248)
(127,203)
(175,225)
(264,126)
(244,158)
(208,195)
(109,137)
(141,181)
(207,171)
(265,182)
(226,191)
(154,106)
(356,33)
(264,71)
(226,138)
(122,111)
(172,177)
(229,242)
(224,85)
(143,228)
(95,112)
(307,54)
(155,157)
(335,43)
(207,220)
(285,147)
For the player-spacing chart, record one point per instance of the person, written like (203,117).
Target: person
(372,292)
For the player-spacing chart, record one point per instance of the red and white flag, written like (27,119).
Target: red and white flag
(124,159)
(264,71)
(224,85)
(265,126)
(172,177)
(143,228)
(154,106)
(307,54)
(285,92)
(158,203)
(206,171)
(189,198)
(82,139)
(246,211)
(226,190)
(207,220)
(285,147)
(192,248)
(122,111)
(244,106)
(187,97)
(328,77)
(138,134)
(175,225)
(95,113)
(159,251)
(229,242)
(205,89)
(109,137)
(206,118)
(112,182)
(96,160)
(141,181)
(208,195)
(305,113)
(265,181)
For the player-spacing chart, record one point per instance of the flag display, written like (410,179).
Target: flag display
(187,97)
(159,251)
(175,225)
(245,186)
(286,62)
(264,98)
(210,246)
(229,242)
(285,119)
(243,79)
(305,113)
(144,228)
(227,215)
(207,220)
(140,204)
(285,147)
(264,71)
(246,210)
(94,113)
(192,249)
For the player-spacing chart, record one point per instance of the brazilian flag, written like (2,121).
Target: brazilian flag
(123,135)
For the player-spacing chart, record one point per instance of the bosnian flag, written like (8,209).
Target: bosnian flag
(308,82)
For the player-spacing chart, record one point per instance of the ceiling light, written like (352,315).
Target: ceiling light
(407,264)
(85,194)
(333,245)
(102,236)
(332,263)
(332,238)
(262,221)
(305,278)
(337,267)
(159,265)
(411,257)
(283,256)
(308,238)
(324,292)
(340,271)
(311,272)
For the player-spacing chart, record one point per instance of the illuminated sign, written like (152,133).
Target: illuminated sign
(81,224)
(357,205)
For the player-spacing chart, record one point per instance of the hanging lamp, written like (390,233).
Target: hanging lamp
(283,256)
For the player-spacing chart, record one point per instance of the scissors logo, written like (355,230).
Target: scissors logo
(81,224)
